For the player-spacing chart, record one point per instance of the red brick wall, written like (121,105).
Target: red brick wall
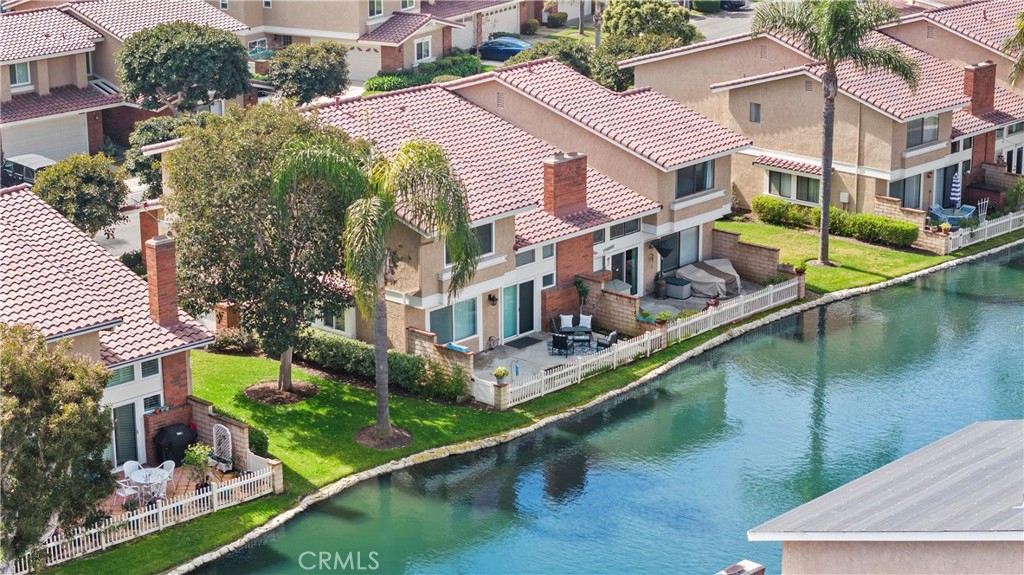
(446,41)
(565,184)
(980,87)
(751,261)
(391,58)
(163,285)
(94,121)
(227,316)
(154,422)
(118,123)
(983,151)
(204,418)
(575,257)
(176,379)
(524,12)
(149,228)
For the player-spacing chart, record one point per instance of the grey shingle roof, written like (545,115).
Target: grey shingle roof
(966,486)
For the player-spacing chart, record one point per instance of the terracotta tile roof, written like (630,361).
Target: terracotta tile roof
(455,8)
(59,101)
(989,22)
(57,279)
(791,165)
(645,122)
(1009,109)
(400,26)
(122,18)
(500,164)
(48,32)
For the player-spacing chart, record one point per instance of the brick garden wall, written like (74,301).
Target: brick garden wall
(119,123)
(928,241)
(612,311)
(424,343)
(154,422)
(204,419)
(996,175)
(751,261)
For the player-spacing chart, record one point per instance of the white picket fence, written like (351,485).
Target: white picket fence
(84,540)
(988,229)
(644,345)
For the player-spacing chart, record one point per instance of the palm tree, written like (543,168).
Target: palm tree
(832,32)
(417,183)
(1015,44)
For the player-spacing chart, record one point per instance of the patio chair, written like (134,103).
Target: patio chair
(125,490)
(130,467)
(560,345)
(161,489)
(605,342)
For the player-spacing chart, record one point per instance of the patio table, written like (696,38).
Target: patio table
(148,479)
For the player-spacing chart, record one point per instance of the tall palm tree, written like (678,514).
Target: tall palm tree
(832,32)
(419,183)
(1015,45)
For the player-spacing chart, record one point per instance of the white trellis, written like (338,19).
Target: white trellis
(221,455)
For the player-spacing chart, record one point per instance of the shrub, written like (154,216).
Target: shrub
(385,84)
(530,27)
(707,6)
(797,216)
(882,230)
(442,384)
(503,35)
(440,79)
(258,441)
(1015,197)
(775,279)
(344,355)
(838,220)
(771,210)
(235,339)
(557,20)
(571,52)
(133,261)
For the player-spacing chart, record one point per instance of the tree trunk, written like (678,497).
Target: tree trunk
(583,12)
(380,358)
(284,373)
(597,23)
(828,120)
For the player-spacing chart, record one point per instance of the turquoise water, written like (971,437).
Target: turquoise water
(669,479)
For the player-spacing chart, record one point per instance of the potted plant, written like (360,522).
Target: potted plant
(663,317)
(645,316)
(786,266)
(500,374)
(945,227)
(196,460)
(800,269)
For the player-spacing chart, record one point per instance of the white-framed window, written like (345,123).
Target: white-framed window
(908,190)
(152,403)
(599,236)
(335,322)
(485,236)
(422,49)
(1015,128)
(526,257)
(258,44)
(267,4)
(793,187)
(376,8)
(20,75)
(406,4)
(696,178)
(548,251)
(548,280)
(454,322)
(755,113)
(150,367)
(625,228)
(121,375)
(685,249)
(223,4)
(922,131)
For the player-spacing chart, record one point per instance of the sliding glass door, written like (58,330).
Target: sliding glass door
(517,314)
(624,268)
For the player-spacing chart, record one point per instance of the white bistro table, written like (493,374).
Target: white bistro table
(149,479)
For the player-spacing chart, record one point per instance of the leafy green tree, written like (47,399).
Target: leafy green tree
(153,131)
(182,65)
(303,72)
(572,53)
(833,32)
(605,63)
(55,429)
(260,198)
(419,181)
(1014,44)
(634,18)
(84,189)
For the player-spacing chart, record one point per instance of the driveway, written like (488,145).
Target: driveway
(722,24)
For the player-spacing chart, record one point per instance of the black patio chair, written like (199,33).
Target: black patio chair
(605,342)
(560,345)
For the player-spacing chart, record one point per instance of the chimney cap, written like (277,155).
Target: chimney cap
(160,240)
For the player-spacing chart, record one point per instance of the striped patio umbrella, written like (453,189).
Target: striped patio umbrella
(954,190)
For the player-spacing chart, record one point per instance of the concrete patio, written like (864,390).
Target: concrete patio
(530,360)
(692,303)
(178,486)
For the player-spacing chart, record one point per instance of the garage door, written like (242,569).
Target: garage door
(55,139)
(504,19)
(363,62)
(465,38)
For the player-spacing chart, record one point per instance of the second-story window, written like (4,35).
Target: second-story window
(406,4)
(485,236)
(422,49)
(922,131)
(223,4)
(694,179)
(625,229)
(755,113)
(376,8)
(20,75)
(267,4)
(526,257)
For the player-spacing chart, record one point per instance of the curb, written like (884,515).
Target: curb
(477,444)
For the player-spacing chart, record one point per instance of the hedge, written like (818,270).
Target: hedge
(557,20)
(771,210)
(235,339)
(258,441)
(385,84)
(458,65)
(503,35)
(864,227)
(530,27)
(707,6)
(412,373)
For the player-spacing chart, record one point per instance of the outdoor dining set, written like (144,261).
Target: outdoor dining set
(144,484)
(575,335)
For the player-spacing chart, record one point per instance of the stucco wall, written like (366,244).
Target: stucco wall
(104,64)
(750,181)
(409,47)
(431,259)
(936,558)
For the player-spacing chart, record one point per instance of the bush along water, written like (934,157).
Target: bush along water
(868,228)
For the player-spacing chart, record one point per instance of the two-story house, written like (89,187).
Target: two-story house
(640,138)
(58,280)
(890,141)
(59,91)
(379,34)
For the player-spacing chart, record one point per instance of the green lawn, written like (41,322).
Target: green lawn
(573,32)
(860,264)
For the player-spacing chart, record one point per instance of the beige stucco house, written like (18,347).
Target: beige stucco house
(952,507)
(890,141)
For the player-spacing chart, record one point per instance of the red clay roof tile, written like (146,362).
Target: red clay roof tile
(455,8)
(400,26)
(60,101)
(791,165)
(37,33)
(989,22)
(123,18)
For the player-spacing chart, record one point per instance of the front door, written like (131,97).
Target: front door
(125,446)
(624,268)
(517,310)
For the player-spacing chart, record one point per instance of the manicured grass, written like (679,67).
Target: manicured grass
(314,440)
(574,33)
(989,244)
(860,264)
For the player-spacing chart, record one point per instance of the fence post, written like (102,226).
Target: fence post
(160,513)
(615,356)
(214,494)
(103,534)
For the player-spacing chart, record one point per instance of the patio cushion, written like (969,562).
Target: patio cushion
(585,320)
(566,321)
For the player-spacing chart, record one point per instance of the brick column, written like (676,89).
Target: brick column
(391,58)
(94,121)
(227,316)
(149,227)
(446,41)
(163,285)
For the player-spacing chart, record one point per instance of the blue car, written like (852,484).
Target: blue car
(502,49)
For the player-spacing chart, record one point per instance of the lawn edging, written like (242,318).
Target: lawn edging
(436,453)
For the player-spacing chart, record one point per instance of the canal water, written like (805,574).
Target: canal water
(669,479)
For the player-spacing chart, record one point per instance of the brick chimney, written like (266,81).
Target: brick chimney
(565,184)
(980,87)
(163,287)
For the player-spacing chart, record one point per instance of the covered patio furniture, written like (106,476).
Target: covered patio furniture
(607,341)
(952,216)
(711,278)
(677,288)
(560,345)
